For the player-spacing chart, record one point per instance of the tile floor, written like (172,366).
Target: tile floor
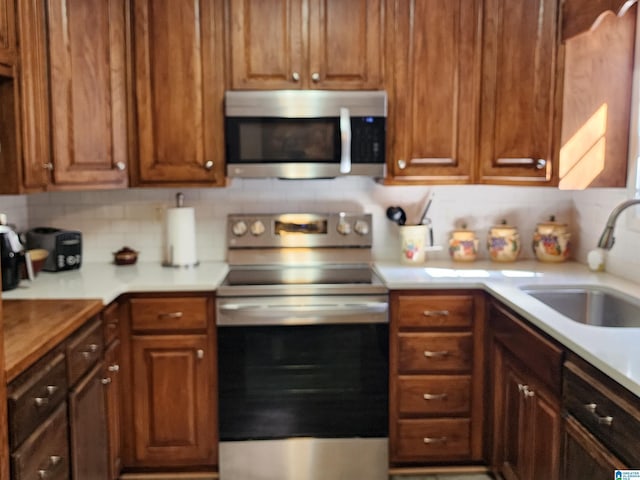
(475,476)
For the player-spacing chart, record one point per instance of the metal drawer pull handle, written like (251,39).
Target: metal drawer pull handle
(430,354)
(430,440)
(54,460)
(436,313)
(42,401)
(526,391)
(606,420)
(114,368)
(93,348)
(170,315)
(434,396)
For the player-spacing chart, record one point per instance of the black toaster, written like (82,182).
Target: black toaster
(64,247)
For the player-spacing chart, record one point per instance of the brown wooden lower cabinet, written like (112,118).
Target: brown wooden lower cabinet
(584,456)
(525,384)
(436,378)
(169,384)
(45,453)
(172,400)
(88,427)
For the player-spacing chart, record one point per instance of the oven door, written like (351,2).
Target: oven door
(299,375)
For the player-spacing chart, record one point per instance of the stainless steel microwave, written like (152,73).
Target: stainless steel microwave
(296,134)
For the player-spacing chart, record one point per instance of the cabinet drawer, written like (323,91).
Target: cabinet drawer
(111,322)
(434,395)
(615,423)
(158,314)
(34,395)
(436,311)
(45,454)
(433,439)
(435,352)
(84,350)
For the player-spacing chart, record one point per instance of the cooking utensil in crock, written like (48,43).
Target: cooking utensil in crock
(397,215)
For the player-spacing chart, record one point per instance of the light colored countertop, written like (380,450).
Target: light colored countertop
(106,281)
(615,351)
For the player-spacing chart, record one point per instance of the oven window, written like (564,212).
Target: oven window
(297,381)
(284,140)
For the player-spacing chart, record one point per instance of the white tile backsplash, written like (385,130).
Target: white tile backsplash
(16,210)
(135,217)
(592,209)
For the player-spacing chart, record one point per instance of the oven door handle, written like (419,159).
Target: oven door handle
(238,314)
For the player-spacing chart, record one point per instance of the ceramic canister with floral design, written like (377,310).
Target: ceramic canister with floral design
(463,245)
(503,243)
(551,241)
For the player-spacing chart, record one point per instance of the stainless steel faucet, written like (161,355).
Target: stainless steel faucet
(607,238)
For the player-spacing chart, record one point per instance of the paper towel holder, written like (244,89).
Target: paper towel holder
(170,257)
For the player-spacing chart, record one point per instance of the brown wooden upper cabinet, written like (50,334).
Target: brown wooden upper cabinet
(433,105)
(518,94)
(7,32)
(179,88)
(474,89)
(305,44)
(73,94)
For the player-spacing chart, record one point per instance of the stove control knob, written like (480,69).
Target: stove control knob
(361,227)
(257,228)
(344,227)
(239,228)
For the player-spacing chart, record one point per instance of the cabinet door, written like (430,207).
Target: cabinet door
(113,388)
(527,426)
(266,44)
(436,76)
(88,428)
(179,92)
(584,456)
(518,91)
(7,32)
(172,401)
(88,92)
(346,44)
(514,412)
(34,96)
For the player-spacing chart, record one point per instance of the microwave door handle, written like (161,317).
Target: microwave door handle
(345,137)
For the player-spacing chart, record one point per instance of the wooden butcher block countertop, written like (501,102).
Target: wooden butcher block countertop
(33,327)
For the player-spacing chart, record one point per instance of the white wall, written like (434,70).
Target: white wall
(134,217)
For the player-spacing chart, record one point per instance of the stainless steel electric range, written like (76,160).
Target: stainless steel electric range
(303,350)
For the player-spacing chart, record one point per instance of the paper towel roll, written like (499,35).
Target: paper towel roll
(181,237)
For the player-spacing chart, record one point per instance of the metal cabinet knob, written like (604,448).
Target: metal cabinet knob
(315,76)
(295,76)
(402,164)
(106,381)
(48,166)
(200,354)
(208,165)
(121,166)
(540,163)
(114,368)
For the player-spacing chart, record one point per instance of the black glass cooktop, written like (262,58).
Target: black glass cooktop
(249,276)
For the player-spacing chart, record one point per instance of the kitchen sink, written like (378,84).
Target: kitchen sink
(590,305)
